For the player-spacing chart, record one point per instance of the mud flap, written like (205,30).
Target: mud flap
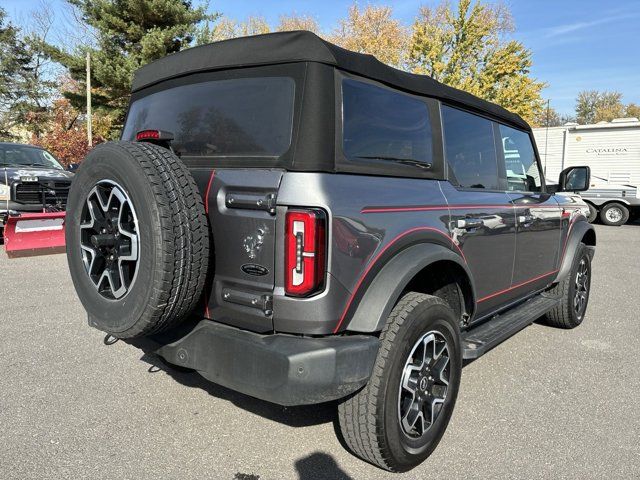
(31,234)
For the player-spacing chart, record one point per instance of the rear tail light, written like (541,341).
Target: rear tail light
(305,246)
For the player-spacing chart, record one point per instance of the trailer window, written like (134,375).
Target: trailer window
(520,160)
(242,117)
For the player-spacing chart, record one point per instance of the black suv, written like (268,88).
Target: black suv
(303,224)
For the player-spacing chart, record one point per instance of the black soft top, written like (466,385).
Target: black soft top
(303,46)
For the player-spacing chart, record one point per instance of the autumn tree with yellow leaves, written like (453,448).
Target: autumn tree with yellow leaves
(373,30)
(467,48)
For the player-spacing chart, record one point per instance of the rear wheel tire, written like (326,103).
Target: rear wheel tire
(397,420)
(574,293)
(614,214)
(137,239)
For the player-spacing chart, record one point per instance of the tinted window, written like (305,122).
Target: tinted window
(239,117)
(470,149)
(381,123)
(24,156)
(520,160)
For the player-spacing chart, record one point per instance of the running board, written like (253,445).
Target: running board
(479,340)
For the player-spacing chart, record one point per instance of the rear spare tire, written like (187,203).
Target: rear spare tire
(137,239)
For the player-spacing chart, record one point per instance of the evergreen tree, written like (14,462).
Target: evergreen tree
(15,73)
(128,34)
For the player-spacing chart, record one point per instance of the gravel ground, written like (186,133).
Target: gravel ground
(545,404)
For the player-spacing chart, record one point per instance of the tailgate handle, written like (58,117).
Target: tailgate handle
(252,201)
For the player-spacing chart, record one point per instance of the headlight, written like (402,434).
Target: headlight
(4,192)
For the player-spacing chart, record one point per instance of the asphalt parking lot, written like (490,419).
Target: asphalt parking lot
(546,404)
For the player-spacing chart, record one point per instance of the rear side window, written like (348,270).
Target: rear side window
(381,124)
(470,149)
(249,117)
(520,160)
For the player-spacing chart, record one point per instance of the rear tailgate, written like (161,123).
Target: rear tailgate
(240,205)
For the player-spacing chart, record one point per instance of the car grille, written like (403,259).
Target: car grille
(53,193)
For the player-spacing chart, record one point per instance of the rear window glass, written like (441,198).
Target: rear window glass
(470,149)
(379,123)
(240,117)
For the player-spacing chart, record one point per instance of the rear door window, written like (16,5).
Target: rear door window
(470,149)
(382,124)
(242,117)
(521,166)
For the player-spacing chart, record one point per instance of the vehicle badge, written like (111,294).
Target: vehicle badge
(253,243)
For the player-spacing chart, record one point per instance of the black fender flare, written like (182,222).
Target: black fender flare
(577,231)
(385,289)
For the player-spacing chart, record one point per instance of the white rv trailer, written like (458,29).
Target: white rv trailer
(612,150)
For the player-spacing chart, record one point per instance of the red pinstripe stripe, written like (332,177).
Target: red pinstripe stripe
(378,255)
(427,208)
(513,287)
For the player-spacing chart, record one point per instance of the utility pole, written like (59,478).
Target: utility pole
(89,132)
(546,135)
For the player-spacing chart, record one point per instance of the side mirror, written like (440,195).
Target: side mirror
(72,167)
(575,179)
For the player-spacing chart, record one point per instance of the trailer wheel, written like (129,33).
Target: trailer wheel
(593,213)
(137,239)
(614,214)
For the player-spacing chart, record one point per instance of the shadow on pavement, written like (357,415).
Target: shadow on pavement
(301,416)
(319,465)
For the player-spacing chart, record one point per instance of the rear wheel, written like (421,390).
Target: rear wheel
(137,239)
(399,417)
(614,214)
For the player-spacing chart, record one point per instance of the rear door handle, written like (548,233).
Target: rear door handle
(470,223)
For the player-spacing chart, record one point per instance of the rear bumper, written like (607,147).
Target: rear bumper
(283,369)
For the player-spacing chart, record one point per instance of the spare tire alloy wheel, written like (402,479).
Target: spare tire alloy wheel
(137,239)
(109,239)
(424,384)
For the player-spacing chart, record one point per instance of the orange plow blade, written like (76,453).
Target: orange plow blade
(32,234)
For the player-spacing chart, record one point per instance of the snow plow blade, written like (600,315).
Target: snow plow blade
(31,234)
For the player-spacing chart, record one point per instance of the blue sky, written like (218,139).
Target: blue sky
(577,44)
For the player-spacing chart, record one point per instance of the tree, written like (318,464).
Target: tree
(632,110)
(298,22)
(227,28)
(67,137)
(128,34)
(593,106)
(15,74)
(468,49)
(373,30)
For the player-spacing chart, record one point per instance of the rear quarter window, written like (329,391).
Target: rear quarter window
(241,117)
(381,124)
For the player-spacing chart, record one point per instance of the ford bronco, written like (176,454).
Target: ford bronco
(338,229)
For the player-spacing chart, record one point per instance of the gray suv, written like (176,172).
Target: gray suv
(304,224)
